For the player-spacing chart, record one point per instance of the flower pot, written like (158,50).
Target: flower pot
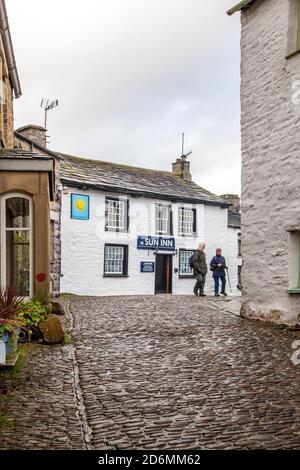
(2,352)
(11,341)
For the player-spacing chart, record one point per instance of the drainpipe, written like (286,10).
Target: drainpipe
(9,51)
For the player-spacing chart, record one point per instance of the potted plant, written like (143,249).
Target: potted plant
(10,324)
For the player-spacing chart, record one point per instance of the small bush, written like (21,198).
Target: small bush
(31,313)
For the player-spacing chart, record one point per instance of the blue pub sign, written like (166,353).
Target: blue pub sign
(156,243)
(147,267)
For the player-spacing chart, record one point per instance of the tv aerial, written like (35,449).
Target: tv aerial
(184,155)
(47,105)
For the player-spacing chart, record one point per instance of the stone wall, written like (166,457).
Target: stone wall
(8,116)
(55,217)
(270,159)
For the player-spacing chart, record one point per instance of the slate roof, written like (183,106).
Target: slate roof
(35,144)
(108,176)
(234,219)
(22,154)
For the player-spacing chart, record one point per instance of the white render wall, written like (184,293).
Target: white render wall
(83,247)
(270,102)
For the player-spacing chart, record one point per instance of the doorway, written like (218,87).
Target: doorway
(163,274)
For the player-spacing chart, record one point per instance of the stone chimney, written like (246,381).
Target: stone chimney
(35,133)
(182,168)
(235,202)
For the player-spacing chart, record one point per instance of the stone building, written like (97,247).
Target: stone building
(270,123)
(27,185)
(34,138)
(131,231)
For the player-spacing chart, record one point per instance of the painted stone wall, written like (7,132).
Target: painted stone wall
(83,247)
(270,158)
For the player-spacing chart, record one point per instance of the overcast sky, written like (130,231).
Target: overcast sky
(131,76)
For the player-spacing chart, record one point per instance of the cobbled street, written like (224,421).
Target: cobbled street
(158,373)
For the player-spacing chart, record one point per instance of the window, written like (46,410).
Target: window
(294,261)
(163,220)
(184,267)
(298,27)
(116,260)
(187,222)
(239,244)
(116,215)
(16,243)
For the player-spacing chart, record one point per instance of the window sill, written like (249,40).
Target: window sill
(116,275)
(294,291)
(292,54)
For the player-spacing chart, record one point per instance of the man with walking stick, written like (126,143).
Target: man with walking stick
(218,266)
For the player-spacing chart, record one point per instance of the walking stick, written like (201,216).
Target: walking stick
(228,277)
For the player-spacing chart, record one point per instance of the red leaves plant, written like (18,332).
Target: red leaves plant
(9,303)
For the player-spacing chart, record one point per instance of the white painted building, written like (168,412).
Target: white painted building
(131,231)
(270,123)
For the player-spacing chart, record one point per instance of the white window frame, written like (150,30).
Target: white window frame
(109,204)
(182,222)
(123,260)
(160,221)
(4,230)
(189,253)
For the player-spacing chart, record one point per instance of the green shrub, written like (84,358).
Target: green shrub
(31,313)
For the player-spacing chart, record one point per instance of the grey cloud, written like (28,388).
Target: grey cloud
(131,76)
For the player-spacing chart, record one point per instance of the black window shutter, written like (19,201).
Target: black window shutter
(170,220)
(125,261)
(195,221)
(127,216)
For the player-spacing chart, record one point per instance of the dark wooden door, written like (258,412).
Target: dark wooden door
(163,274)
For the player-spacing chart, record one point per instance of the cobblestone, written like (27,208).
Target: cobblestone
(159,372)
(173,372)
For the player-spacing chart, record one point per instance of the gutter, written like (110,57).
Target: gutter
(136,193)
(9,51)
(240,6)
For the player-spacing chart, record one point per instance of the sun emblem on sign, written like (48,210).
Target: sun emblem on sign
(80,205)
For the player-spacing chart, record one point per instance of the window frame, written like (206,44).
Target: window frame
(125,228)
(185,276)
(169,228)
(298,27)
(125,260)
(239,242)
(194,222)
(294,264)
(3,238)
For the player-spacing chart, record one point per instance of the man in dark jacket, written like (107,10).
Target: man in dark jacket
(200,270)
(218,266)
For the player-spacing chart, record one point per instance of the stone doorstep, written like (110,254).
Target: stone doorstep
(10,362)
